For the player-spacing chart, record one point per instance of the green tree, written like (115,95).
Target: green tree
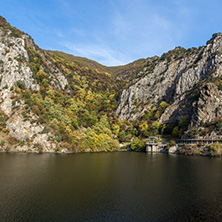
(115,129)
(175,132)
(143,128)
(168,129)
(137,144)
(215,149)
(41,75)
(122,136)
(172,143)
(219,125)
(104,121)
(2,143)
(163,105)
(184,123)
(155,128)
(20,84)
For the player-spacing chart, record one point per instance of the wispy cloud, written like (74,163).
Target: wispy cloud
(78,32)
(99,53)
(59,34)
(133,29)
(153,28)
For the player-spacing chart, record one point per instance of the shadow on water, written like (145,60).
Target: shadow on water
(121,186)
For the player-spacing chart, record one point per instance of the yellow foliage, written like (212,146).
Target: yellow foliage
(144,126)
(115,129)
(112,96)
(156,124)
(41,74)
(89,97)
(106,73)
(150,112)
(157,115)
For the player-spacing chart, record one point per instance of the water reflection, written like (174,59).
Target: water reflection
(109,187)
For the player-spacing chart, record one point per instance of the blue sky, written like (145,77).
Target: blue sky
(115,32)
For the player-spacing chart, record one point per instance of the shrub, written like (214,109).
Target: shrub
(45,130)
(219,125)
(184,123)
(5,130)
(175,132)
(15,34)
(2,143)
(122,136)
(172,143)
(215,149)
(20,84)
(22,143)
(12,140)
(137,144)
(75,124)
(168,128)
(41,75)
(59,138)
(26,94)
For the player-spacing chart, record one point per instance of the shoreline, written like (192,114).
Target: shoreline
(163,152)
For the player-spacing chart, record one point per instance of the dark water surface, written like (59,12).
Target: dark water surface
(109,187)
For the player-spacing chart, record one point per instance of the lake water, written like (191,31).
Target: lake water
(121,186)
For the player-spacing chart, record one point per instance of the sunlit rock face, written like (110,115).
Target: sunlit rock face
(15,66)
(169,78)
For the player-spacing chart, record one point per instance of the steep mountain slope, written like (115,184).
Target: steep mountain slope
(169,77)
(48,103)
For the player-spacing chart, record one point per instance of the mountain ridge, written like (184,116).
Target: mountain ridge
(118,71)
(55,102)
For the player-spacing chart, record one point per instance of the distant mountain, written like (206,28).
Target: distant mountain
(121,72)
(51,101)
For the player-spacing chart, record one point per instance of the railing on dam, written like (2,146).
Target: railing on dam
(199,141)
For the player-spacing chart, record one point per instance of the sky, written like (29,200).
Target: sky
(115,32)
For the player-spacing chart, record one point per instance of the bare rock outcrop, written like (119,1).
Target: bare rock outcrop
(169,77)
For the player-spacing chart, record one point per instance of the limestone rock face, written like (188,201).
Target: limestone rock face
(169,77)
(199,106)
(12,51)
(15,65)
(21,129)
(209,103)
(6,102)
(24,129)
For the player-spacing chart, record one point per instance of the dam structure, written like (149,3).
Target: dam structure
(153,147)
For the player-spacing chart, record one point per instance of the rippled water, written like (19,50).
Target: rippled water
(109,187)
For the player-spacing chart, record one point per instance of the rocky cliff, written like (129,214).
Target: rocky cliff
(16,64)
(172,78)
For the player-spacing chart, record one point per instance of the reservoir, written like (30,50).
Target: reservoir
(121,186)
